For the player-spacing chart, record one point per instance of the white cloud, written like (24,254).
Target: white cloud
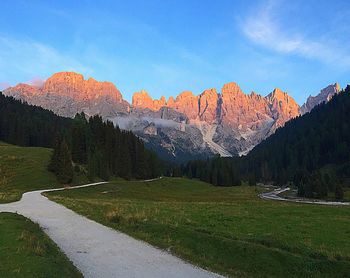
(36,82)
(4,85)
(264,28)
(21,59)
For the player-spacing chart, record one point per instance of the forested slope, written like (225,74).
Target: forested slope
(313,151)
(92,146)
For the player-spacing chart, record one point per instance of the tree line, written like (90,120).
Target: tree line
(108,151)
(92,145)
(27,125)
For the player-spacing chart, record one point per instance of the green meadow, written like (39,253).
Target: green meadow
(24,169)
(224,229)
(25,251)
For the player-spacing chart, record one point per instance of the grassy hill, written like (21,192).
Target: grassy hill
(225,229)
(25,251)
(24,169)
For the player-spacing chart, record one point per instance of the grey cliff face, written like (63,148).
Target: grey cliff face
(325,95)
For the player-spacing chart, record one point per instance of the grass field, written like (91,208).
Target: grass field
(331,197)
(24,169)
(227,230)
(25,251)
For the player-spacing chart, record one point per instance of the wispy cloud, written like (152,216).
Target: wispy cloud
(28,58)
(264,28)
(36,82)
(4,85)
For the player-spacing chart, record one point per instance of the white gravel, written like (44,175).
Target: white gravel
(96,250)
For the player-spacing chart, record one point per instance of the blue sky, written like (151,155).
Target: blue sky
(168,46)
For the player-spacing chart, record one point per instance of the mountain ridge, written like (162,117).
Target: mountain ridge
(223,122)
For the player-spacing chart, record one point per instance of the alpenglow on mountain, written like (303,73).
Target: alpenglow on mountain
(226,122)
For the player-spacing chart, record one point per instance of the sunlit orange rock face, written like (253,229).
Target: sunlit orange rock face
(187,103)
(250,111)
(24,90)
(171,102)
(282,106)
(238,109)
(208,105)
(232,107)
(68,93)
(73,85)
(224,122)
(142,100)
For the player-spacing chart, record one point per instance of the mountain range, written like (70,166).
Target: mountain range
(226,122)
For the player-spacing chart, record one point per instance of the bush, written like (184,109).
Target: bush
(338,193)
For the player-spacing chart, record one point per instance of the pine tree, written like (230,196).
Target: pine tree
(318,185)
(339,193)
(125,164)
(214,177)
(53,165)
(92,167)
(79,139)
(65,166)
(142,169)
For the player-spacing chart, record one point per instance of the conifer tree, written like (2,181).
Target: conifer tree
(79,139)
(339,193)
(53,165)
(95,143)
(65,166)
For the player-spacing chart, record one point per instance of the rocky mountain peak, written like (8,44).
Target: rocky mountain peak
(229,121)
(208,105)
(22,91)
(186,103)
(142,100)
(74,85)
(283,107)
(184,95)
(67,76)
(278,94)
(68,93)
(337,87)
(231,88)
(159,103)
(325,95)
(171,101)
(209,92)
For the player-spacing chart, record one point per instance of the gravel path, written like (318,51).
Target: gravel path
(96,250)
(274,195)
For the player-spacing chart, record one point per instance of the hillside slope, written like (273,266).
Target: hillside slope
(306,143)
(23,169)
(312,150)
(26,251)
(103,149)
